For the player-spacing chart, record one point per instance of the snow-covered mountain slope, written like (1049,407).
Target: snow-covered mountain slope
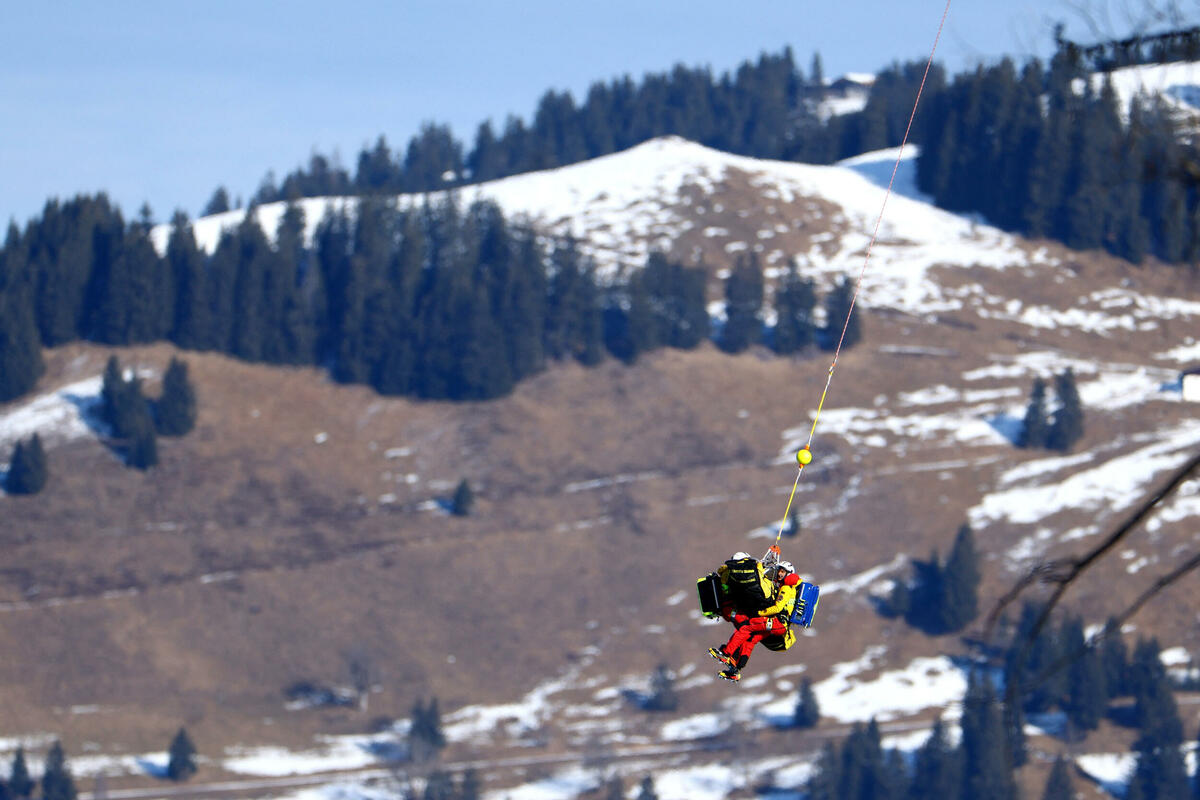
(623,205)
(301,520)
(1176,84)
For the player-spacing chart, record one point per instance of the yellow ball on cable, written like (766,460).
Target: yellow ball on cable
(803,456)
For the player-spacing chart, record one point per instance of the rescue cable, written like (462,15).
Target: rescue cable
(804,454)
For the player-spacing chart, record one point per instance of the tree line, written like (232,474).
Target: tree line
(436,301)
(1050,152)
(766,108)
(1023,146)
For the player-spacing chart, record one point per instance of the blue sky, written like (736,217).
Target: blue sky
(161,102)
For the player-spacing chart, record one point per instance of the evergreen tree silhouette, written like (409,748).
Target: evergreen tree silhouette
(838,317)
(425,736)
(863,771)
(1035,426)
(1067,427)
(218,203)
(795,300)
(181,762)
(807,712)
(463,499)
(663,696)
(192,316)
(960,583)
(469,785)
(439,786)
(1114,659)
(937,771)
(27,472)
(826,775)
(646,789)
(128,414)
(57,783)
(20,784)
(175,411)
(1087,699)
(743,306)
(1160,773)
(20,343)
(925,594)
(220,286)
(987,774)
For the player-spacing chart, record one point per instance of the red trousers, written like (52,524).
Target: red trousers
(749,632)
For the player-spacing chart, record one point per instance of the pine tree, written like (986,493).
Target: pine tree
(128,415)
(1115,660)
(20,784)
(1087,699)
(937,771)
(863,770)
(181,763)
(142,450)
(925,594)
(646,790)
(439,786)
(807,712)
(175,411)
(469,787)
(987,773)
(1035,426)
(20,344)
(960,582)
(795,300)
(1058,785)
(663,696)
(743,306)
(463,499)
(57,783)
(1160,773)
(1067,427)
(425,736)
(27,471)
(826,775)
(218,203)
(838,317)
(192,315)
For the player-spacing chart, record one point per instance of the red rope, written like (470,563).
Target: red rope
(895,169)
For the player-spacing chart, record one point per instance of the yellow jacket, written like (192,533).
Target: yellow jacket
(785,600)
(781,610)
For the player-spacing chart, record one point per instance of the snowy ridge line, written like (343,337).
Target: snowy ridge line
(622,205)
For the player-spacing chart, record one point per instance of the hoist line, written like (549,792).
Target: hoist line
(862,272)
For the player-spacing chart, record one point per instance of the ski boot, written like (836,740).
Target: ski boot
(731,673)
(720,655)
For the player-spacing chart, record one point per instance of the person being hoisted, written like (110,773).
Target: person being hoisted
(745,586)
(770,622)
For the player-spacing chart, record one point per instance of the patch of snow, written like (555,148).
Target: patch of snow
(1111,770)
(699,726)
(60,414)
(1111,486)
(924,683)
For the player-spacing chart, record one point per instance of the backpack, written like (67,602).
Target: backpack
(744,579)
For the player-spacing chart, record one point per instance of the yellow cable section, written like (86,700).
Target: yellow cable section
(858,285)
